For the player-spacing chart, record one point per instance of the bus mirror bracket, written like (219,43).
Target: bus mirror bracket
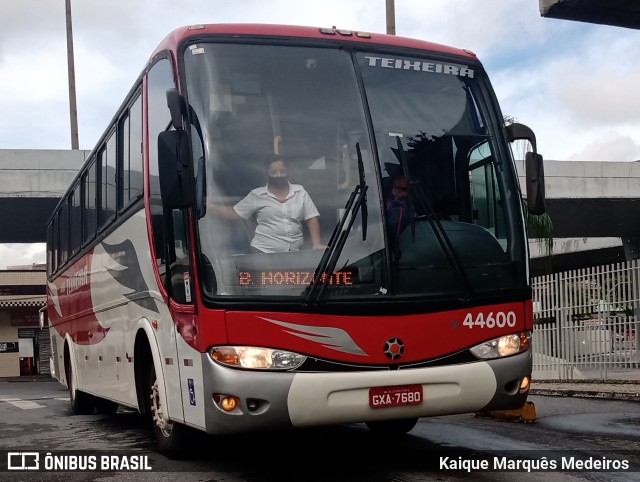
(176,105)
(174,169)
(518,131)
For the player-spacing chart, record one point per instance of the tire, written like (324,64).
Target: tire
(172,437)
(392,427)
(81,403)
(107,407)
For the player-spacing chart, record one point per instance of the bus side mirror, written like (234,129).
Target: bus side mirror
(174,170)
(534,167)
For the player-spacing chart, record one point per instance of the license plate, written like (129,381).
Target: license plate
(381,397)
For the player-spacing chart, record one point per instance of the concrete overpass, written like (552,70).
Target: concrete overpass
(31,184)
(595,208)
(619,13)
(592,199)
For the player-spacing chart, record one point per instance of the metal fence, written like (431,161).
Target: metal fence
(586,323)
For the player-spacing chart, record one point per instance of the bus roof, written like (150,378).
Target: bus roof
(240,30)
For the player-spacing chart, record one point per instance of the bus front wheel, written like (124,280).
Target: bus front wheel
(171,436)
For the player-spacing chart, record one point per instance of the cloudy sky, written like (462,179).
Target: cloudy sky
(574,83)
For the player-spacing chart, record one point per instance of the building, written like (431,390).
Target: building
(24,347)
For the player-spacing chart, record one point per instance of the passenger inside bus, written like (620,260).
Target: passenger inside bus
(397,204)
(279,209)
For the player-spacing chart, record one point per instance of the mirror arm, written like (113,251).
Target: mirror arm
(518,131)
(176,105)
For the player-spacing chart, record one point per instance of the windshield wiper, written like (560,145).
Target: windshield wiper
(436,225)
(363,187)
(325,269)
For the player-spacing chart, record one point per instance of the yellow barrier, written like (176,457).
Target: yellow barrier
(526,414)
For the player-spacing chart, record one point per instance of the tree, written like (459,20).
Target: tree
(540,226)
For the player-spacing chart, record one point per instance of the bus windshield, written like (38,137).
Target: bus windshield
(412,138)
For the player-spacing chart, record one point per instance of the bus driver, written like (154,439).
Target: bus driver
(279,207)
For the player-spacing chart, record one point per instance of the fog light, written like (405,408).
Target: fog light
(524,384)
(229,403)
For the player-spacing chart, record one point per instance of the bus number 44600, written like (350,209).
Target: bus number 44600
(497,320)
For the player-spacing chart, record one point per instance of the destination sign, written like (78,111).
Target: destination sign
(261,278)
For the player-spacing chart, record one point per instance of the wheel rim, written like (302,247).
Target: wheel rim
(159,420)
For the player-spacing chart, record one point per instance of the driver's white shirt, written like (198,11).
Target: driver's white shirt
(279,225)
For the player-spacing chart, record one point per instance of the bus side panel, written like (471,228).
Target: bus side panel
(98,304)
(194,401)
(129,264)
(129,291)
(197,390)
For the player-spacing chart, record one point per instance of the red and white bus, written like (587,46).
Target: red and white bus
(156,302)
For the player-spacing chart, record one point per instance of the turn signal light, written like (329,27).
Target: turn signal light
(524,384)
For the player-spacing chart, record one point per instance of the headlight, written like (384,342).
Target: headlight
(253,357)
(503,346)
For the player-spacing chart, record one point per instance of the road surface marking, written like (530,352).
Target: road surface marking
(23,404)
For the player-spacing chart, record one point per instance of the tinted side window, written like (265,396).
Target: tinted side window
(135,149)
(52,247)
(169,227)
(64,232)
(108,181)
(123,138)
(160,79)
(130,136)
(76,219)
(90,202)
